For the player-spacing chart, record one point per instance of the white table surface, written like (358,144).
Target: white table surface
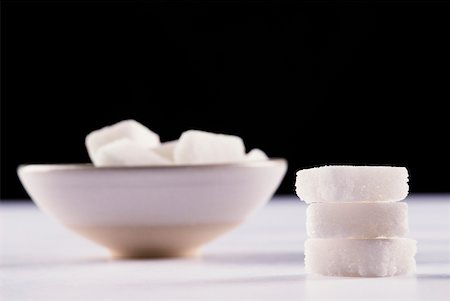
(262,259)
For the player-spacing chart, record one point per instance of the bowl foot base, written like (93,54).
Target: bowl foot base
(154,241)
(156,254)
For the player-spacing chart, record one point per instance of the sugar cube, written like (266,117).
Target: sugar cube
(166,149)
(357,220)
(340,183)
(360,257)
(198,147)
(130,129)
(125,152)
(256,155)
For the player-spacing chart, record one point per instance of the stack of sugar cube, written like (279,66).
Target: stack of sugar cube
(355,222)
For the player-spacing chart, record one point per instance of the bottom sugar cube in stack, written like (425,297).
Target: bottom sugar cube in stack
(355,225)
(360,257)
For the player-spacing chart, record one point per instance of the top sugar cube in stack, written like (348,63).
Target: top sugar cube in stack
(355,223)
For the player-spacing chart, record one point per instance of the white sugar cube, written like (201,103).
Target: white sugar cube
(360,257)
(357,220)
(166,149)
(129,129)
(256,155)
(198,147)
(352,184)
(125,152)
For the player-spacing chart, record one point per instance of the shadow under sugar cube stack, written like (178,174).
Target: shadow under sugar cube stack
(355,222)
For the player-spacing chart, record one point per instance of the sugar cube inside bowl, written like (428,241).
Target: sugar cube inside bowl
(124,152)
(199,147)
(126,129)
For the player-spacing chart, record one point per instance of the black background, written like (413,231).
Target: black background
(312,81)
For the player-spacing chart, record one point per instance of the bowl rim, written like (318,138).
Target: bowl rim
(49,167)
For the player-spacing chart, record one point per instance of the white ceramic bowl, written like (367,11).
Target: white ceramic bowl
(152,211)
